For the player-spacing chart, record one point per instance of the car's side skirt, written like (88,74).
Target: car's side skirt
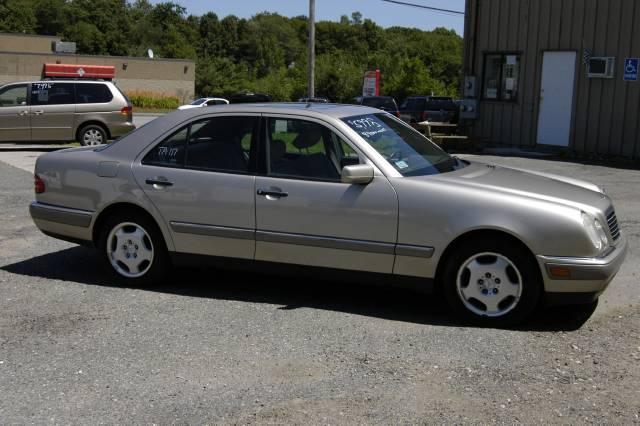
(423,285)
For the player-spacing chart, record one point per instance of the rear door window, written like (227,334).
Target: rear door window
(52,93)
(170,152)
(87,93)
(221,144)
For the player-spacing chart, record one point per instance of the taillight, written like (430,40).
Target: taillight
(38,184)
(424,116)
(398,114)
(128,110)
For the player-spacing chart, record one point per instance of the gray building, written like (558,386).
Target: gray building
(560,73)
(22,58)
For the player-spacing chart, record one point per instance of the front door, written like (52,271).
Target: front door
(52,111)
(305,215)
(201,180)
(556,98)
(14,114)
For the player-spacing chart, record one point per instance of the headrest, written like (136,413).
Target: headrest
(307,138)
(277,149)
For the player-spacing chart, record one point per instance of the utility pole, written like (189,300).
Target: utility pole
(312,48)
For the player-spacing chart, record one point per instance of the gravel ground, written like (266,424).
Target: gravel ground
(237,347)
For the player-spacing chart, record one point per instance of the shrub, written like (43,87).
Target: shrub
(151,100)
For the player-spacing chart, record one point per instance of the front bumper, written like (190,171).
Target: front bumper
(583,275)
(62,222)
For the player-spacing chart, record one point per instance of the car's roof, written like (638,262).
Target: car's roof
(132,143)
(294,108)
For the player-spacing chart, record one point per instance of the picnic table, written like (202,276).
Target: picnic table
(440,137)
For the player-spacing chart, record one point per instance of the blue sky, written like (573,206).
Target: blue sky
(384,14)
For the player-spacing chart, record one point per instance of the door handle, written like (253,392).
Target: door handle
(158,182)
(38,112)
(271,193)
(23,112)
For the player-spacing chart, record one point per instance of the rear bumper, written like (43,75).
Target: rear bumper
(120,129)
(583,275)
(62,222)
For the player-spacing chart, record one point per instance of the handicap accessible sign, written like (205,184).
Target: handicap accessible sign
(631,69)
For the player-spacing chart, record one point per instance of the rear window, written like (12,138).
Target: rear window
(87,93)
(386,104)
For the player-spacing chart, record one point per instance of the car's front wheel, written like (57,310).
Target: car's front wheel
(495,282)
(134,250)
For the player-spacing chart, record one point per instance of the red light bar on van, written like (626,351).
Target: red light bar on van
(79,71)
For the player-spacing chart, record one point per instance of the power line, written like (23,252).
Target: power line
(434,9)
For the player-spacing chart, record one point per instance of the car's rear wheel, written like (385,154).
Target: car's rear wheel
(134,250)
(92,135)
(492,282)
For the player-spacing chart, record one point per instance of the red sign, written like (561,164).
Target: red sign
(371,83)
(79,71)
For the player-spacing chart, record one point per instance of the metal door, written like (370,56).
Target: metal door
(556,98)
(52,111)
(209,210)
(14,114)
(324,223)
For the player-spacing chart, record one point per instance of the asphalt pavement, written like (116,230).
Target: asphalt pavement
(217,346)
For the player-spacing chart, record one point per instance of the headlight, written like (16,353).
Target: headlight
(595,231)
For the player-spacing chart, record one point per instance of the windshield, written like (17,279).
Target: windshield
(406,150)
(198,101)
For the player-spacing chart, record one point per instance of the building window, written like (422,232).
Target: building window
(501,77)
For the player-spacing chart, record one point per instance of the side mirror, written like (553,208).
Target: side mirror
(359,174)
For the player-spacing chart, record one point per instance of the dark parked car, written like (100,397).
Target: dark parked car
(385,103)
(441,109)
(248,97)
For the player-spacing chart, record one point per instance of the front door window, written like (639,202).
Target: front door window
(306,150)
(13,96)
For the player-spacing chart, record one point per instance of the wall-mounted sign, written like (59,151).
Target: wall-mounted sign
(631,69)
(371,83)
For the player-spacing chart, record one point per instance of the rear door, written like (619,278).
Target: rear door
(306,215)
(200,178)
(14,114)
(52,111)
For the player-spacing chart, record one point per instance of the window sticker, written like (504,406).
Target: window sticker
(43,95)
(401,164)
(281,126)
(367,126)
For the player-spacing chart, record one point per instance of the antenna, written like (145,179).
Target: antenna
(150,53)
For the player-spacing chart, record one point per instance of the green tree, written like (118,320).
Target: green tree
(17,16)
(266,53)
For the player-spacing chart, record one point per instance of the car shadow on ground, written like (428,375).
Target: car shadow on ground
(291,292)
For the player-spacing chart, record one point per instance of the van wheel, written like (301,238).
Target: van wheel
(493,283)
(134,250)
(92,135)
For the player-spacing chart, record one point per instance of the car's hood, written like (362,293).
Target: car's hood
(529,184)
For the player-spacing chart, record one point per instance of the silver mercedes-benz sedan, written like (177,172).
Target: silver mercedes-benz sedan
(335,188)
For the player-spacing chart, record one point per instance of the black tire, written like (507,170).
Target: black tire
(92,134)
(515,308)
(159,264)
